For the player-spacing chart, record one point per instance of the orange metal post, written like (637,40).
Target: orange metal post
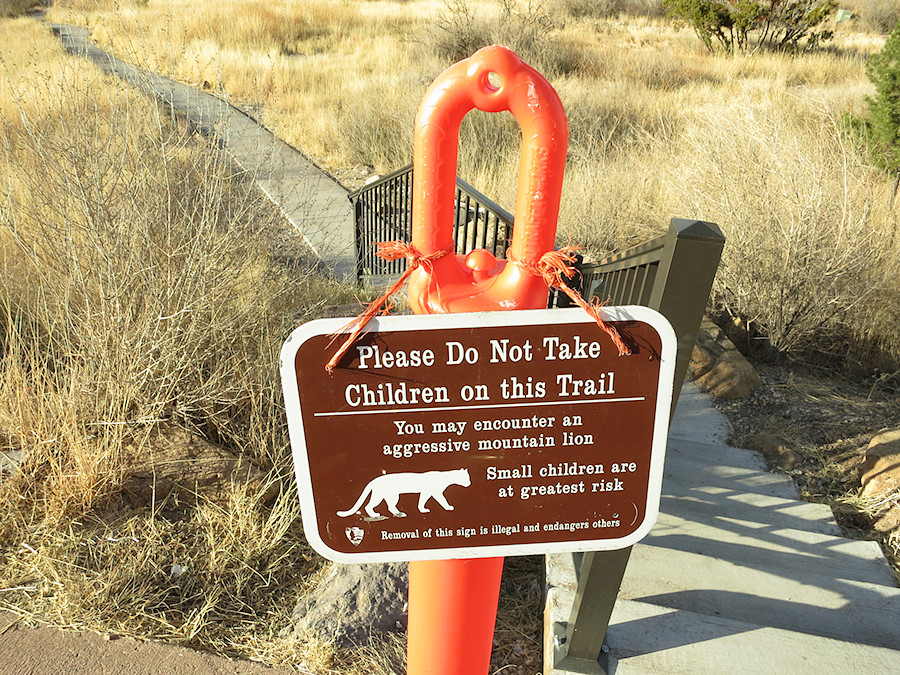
(452,611)
(493,79)
(453,603)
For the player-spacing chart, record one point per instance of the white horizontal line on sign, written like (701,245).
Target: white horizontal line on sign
(478,407)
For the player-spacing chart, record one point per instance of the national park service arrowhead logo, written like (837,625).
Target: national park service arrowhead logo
(355,535)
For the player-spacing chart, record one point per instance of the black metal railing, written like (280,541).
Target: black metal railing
(383,212)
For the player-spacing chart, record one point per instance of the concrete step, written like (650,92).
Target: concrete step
(787,595)
(699,503)
(773,548)
(715,453)
(688,473)
(646,638)
(696,419)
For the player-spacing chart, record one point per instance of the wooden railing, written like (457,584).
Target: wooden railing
(672,274)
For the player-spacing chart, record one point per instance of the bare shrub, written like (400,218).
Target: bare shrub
(9,8)
(580,9)
(458,32)
(528,27)
(879,16)
(803,259)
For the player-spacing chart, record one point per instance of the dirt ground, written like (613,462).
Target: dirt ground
(827,420)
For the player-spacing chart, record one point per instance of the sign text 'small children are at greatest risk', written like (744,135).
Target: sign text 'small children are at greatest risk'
(480,434)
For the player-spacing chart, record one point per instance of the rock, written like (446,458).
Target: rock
(175,462)
(352,601)
(717,367)
(12,456)
(774,449)
(880,479)
(339,311)
(11,460)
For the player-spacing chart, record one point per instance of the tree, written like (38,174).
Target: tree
(749,25)
(883,127)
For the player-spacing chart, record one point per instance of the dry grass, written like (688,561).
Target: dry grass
(139,289)
(659,128)
(876,16)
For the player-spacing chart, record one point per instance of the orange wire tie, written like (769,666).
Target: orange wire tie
(387,250)
(552,267)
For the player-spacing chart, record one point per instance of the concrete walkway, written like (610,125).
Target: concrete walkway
(43,650)
(739,575)
(314,203)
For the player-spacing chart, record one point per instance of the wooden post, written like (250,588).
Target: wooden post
(683,280)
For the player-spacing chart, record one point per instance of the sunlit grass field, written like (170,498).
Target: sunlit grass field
(140,293)
(659,128)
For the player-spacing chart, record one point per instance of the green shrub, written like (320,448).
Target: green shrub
(750,25)
(883,126)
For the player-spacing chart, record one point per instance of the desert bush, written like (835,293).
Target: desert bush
(804,261)
(750,25)
(882,128)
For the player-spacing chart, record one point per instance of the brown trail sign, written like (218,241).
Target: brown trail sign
(479,435)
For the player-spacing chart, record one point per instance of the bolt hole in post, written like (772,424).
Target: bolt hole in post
(453,603)
(493,83)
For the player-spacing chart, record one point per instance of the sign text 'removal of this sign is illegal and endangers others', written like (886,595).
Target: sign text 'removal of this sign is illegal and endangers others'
(477,435)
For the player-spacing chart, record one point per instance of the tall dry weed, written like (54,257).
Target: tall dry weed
(809,246)
(139,289)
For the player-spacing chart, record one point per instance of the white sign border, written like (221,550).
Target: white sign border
(420,322)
